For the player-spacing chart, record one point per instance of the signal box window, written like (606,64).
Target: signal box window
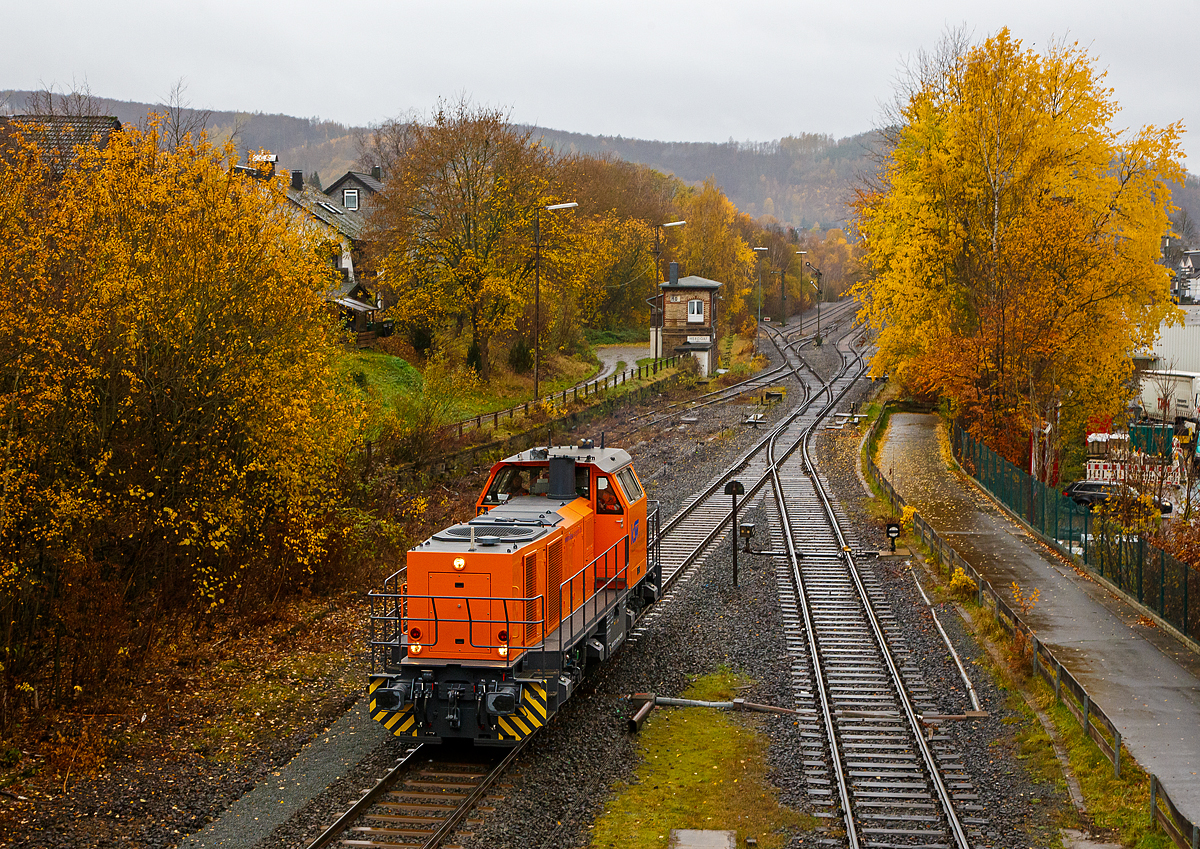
(606,497)
(696,311)
(350,198)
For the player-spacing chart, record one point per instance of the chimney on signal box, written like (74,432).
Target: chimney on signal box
(674,273)
(298,180)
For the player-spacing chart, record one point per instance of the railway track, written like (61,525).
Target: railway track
(787,342)
(867,759)
(427,797)
(692,530)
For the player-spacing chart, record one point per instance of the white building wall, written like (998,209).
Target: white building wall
(1178,347)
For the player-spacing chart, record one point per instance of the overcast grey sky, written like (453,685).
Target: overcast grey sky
(661,69)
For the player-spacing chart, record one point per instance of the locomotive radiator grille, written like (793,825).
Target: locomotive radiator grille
(553,580)
(531,625)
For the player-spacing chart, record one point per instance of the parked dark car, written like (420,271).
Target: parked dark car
(1090,493)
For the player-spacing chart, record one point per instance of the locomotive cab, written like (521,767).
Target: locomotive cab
(494,621)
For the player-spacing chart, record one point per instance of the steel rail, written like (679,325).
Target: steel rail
(741,463)
(757,381)
(451,822)
(810,634)
(369,798)
(956,829)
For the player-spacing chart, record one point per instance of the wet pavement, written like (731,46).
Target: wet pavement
(613,355)
(1145,679)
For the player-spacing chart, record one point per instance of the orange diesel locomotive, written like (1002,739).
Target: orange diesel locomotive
(495,621)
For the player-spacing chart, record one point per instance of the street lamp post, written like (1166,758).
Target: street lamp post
(760,253)
(656,301)
(537,291)
(816,286)
(658,246)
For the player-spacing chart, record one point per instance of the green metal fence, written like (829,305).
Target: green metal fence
(1143,571)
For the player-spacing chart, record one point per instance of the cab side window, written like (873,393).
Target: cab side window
(629,483)
(583,481)
(606,496)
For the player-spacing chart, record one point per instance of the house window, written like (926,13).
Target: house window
(696,311)
(350,198)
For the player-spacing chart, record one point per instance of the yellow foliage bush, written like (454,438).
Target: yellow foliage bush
(961,585)
(167,387)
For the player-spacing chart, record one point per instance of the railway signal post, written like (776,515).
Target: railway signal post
(735,489)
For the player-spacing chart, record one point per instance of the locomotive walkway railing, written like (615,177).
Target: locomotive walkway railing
(527,623)
(1067,690)
(582,390)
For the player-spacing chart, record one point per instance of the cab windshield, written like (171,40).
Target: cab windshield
(514,481)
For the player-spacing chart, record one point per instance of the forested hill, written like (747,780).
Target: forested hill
(805,181)
(802,181)
(313,145)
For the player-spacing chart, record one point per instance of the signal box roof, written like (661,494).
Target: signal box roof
(691,282)
(605,459)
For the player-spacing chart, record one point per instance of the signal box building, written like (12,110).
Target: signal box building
(683,319)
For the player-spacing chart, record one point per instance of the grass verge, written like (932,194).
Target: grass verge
(700,768)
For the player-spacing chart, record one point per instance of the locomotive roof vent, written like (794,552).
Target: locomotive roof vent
(490,534)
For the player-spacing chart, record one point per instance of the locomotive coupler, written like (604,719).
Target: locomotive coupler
(453,716)
(422,693)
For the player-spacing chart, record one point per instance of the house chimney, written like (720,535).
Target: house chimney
(298,180)
(674,273)
(377,172)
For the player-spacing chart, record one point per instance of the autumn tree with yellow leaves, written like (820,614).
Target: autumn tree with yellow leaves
(1012,240)
(454,234)
(170,409)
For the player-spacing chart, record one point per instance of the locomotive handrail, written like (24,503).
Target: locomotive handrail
(618,552)
(470,620)
(621,574)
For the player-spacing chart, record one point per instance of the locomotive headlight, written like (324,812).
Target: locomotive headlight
(503,650)
(459,563)
(414,648)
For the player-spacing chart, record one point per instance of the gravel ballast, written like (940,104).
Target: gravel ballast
(569,773)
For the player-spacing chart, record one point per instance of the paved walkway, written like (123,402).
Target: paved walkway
(611,355)
(1147,681)
(328,757)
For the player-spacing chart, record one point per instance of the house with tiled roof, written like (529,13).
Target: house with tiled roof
(60,136)
(354,189)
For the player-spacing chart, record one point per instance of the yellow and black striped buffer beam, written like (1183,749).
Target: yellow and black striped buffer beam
(530,716)
(400,721)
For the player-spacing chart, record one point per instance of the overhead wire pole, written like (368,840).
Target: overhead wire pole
(537,291)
